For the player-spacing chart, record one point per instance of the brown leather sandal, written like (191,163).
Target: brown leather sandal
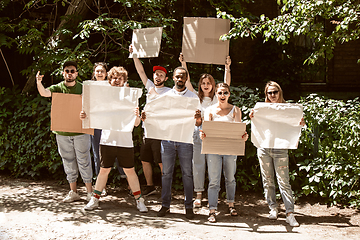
(232,211)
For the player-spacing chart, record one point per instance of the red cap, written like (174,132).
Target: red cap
(159,68)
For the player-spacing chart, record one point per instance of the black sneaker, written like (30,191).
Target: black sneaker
(163,211)
(148,190)
(189,213)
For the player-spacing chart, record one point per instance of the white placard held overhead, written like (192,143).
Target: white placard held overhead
(146,42)
(276,125)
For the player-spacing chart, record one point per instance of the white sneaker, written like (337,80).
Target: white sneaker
(71,197)
(92,204)
(290,219)
(88,196)
(140,204)
(273,214)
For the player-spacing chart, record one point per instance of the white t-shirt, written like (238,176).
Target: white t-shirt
(186,93)
(207,102)
(159,90)
(116,138)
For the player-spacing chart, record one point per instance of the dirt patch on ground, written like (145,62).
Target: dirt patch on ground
(33,210)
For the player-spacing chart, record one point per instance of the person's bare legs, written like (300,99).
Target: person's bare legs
(133,180)
(161,167)
(73,186)
(147,168)
(102,179)
(88,187)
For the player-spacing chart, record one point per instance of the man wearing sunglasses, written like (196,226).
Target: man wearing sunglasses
(74,148)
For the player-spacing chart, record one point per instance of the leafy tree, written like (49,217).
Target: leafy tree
(323,23)
(54,31)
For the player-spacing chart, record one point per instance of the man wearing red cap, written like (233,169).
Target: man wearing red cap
(150,149)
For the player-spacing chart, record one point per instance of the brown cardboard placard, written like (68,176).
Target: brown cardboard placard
(224,138)
(201,44)
(146,42)
(65,113)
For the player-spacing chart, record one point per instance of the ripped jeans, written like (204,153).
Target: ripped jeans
(276,161)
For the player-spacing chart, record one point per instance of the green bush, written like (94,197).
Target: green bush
(27,149)
(326,164)
(328,153)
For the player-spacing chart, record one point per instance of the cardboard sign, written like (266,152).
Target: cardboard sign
(276,125)
(146,42)
(201,44)
(65,113)
(224,138)
(171,118)
(109,107)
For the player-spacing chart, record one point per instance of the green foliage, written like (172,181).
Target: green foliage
(328,153)
(248,173)
(324,23)
(27,148)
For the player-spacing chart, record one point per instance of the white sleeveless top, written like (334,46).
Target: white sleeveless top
(227,118)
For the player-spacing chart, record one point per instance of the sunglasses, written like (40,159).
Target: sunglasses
(273,92)
(223,93)
(70,71)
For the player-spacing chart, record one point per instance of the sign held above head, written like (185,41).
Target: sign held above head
(146,42)
(201,40)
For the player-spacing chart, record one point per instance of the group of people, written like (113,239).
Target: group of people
(111,147)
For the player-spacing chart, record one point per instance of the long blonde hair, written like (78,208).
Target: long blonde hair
(274,84)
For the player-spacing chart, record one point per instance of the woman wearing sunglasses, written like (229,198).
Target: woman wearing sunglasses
(223,111)
(276,161)
(206,94)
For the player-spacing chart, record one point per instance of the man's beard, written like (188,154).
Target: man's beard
(69,80)
(180,85)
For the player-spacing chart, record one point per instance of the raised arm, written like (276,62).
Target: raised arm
(42,90)
(188,82)
(237,113)
(139,67)
(227,74)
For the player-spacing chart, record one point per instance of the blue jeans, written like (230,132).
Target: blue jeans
(215,164)
(75,154)
(169,149)
(276,161)
(95,141)
(199,161)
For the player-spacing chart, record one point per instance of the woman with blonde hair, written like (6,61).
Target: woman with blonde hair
(276,161)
